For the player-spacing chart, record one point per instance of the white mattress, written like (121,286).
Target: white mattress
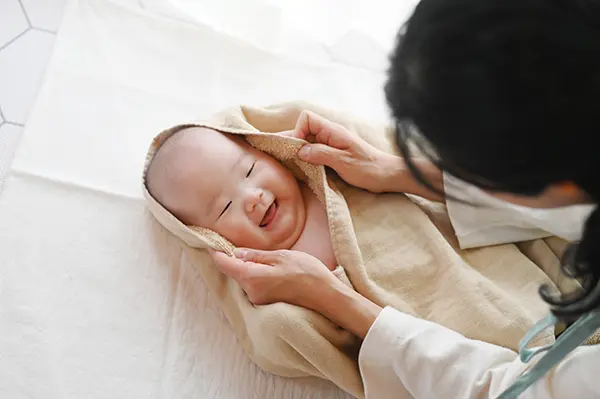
(96,300)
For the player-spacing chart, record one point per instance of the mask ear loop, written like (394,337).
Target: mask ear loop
(571,338)
(527,353)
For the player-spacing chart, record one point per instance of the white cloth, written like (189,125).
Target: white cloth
(495,221)
(403,356)
(96,299)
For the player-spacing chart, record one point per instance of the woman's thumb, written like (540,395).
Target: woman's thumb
(321,154)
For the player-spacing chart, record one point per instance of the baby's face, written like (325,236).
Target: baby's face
(239,192)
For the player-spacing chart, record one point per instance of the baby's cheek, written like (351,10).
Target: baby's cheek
(242,235)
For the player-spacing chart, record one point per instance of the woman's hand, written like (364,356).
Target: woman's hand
(358,162)
(277,276)
(299,279)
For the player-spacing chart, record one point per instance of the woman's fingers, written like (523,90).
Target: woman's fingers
(228,265)
(290,133)
(303,127)
(322,154)
(324,131)
(235,268)
(263,257)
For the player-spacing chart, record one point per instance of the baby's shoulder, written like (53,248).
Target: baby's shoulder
(315,238)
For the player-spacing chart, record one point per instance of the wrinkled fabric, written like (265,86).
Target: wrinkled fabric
(393,250)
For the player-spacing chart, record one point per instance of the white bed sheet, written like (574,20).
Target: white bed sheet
(96,299)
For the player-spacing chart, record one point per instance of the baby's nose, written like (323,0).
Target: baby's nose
(252,198)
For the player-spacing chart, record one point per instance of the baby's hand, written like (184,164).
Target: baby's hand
(277,276)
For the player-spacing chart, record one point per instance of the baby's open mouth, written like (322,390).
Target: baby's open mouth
(269,215)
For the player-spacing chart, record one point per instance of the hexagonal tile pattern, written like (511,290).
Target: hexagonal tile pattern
(26,42)
(12,21)
(45,14)
(22,66)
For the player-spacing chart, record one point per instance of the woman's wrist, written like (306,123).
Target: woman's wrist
(397,178)
(347,308)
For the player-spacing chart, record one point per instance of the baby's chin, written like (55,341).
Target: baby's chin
(265,245)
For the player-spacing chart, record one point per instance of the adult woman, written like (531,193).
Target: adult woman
(478,80)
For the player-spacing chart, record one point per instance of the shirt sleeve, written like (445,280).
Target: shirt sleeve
(487,220)
(406,357)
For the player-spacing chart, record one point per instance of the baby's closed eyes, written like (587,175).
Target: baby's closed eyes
(230,202)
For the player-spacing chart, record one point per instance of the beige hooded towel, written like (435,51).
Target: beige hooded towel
(392,249)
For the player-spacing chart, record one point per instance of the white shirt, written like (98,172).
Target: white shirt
(406,357)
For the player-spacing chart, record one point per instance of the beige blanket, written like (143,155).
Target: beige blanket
(395,250)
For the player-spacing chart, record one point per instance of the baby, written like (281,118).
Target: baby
(209,179)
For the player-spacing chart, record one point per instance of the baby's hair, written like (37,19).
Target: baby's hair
(164,171)
(168,169)
(158,162)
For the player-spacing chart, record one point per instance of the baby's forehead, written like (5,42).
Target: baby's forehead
(199,138)
(192,136)
(206,154)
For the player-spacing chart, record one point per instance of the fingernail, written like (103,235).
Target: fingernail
(304,151)
(239,253)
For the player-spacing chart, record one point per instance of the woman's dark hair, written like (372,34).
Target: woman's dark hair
(505,94)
